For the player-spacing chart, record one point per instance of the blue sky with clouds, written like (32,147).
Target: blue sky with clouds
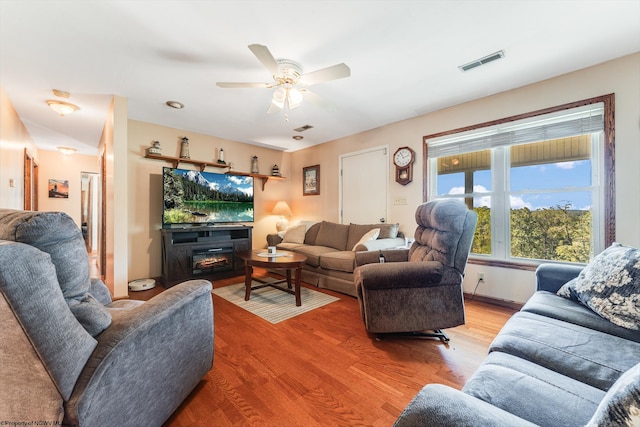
(558,182)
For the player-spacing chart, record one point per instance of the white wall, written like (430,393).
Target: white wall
(621,76)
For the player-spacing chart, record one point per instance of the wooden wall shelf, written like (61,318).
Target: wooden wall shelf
(175,161)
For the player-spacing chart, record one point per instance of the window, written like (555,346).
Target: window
(542,183)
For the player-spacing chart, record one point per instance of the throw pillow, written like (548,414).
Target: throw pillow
(610,286)
(568,290)
(93,316)
(369,235)
(295,234)
(389,231)
(333,235)
(621,405)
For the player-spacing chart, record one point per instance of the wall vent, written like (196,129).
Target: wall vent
(303,128)
(482,61)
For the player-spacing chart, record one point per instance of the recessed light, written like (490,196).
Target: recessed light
(175,104)
(61,93)
(298,137)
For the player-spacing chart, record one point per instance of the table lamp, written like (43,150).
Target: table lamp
(282,208)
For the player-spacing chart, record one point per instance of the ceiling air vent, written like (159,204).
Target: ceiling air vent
(303,128)
(482,61)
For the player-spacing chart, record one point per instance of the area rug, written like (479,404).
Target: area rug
(274,305)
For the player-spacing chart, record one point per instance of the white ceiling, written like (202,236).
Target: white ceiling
(403,57)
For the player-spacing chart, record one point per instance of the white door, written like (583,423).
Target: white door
(364,186)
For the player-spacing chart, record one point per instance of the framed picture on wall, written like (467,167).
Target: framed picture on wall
(311,180)
(59,188)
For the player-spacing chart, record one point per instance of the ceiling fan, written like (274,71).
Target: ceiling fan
(290,83)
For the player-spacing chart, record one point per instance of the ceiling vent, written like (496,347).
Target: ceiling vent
(482,61)
(303,128)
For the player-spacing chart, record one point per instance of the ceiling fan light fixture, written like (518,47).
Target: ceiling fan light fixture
(280,95)
(275,106)
(290,84)
(294,98)
(62,108)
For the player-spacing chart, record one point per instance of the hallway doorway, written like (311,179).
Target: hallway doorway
(89,215)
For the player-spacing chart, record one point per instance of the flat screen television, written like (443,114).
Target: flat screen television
(196,198)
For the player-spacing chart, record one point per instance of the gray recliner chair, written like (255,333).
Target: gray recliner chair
(71,356)
(419,289)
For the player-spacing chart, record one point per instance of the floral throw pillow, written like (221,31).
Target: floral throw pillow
(621,405)
(610,286)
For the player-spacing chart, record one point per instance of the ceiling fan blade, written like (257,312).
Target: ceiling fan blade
(318,100)
(241,84)
(262,53)
(334,72)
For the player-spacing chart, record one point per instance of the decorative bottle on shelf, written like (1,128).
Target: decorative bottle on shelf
(155,149)
(254,164)
(184,148)
(221,158)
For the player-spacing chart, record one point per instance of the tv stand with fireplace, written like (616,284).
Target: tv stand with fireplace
(203,252)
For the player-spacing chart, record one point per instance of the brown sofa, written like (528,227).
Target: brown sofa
(330,249)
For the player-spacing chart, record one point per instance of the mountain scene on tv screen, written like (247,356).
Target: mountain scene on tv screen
(201,197)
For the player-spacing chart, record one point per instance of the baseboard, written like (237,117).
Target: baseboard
(495,301)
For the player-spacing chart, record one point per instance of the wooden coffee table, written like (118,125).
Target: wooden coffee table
(282,259)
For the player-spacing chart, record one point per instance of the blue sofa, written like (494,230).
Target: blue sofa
(69,355)
(555,363)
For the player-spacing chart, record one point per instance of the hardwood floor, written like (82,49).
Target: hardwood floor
(322,369)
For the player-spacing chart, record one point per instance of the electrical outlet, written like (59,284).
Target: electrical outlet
(481,277)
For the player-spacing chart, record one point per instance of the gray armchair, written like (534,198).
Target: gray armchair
(69,355)
(419,289)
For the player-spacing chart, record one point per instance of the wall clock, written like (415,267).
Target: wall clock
(403,159)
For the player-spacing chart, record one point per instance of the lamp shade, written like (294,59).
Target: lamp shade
(282,208)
